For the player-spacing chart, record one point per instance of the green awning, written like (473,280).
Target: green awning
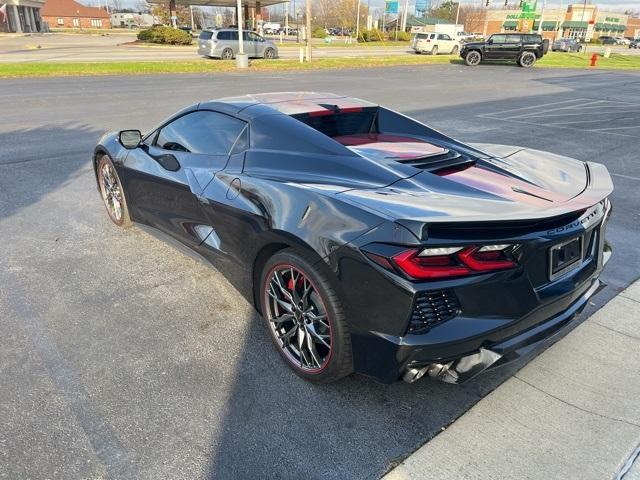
(574,24)
(609,27)
(552,25)
(510,23)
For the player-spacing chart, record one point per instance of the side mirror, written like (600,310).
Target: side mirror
(130,139)
(490,41)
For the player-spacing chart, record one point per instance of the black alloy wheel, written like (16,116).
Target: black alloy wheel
(305,318)
(472,58)
(527,59)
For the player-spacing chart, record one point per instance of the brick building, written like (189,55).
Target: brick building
(20,16)
(71,14)
(576,21)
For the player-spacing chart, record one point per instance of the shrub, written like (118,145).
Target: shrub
(318,32)
(167,35)
(404,36)
(371,36)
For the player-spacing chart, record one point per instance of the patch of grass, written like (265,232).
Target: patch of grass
(60,69)
(582,60)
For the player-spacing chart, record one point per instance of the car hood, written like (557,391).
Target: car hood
(507,183)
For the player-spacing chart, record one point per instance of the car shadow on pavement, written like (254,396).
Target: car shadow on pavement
(58,155)
(278,425)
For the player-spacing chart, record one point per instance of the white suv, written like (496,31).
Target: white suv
(435,43)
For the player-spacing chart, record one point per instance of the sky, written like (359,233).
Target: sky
(615,5)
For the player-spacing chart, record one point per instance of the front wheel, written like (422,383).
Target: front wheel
(269,53)
(527,59)
(112,192)
(472,58)
(305,318)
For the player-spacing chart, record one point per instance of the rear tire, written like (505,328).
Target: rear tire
(328,357)
(227,54)
(527,59)
(434,50)
(473,58)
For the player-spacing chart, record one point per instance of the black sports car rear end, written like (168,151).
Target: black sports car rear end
(369,241)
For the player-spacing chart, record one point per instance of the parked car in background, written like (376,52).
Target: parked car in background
(186,29)
(566,45)
(465,36)
(607,40)
(271,28)
(635,43)
(224,44)
(434,43)
(523,48)
(622,41)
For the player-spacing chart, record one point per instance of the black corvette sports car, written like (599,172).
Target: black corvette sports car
(368,241)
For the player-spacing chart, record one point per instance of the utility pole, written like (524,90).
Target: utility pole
(308,30)
(357,21)
(405,12)
(458,12)
(242,60)
(193,27)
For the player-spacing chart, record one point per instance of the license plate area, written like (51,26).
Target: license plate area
(565,257)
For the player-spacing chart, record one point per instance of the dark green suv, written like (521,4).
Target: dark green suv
(524,48)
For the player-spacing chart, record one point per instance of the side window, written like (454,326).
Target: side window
(513,38)
(203,132)
(254,37)
(205,35)
(233,35)
(498,38)
(444,36)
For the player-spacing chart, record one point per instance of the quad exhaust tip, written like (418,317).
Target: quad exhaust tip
(457,371)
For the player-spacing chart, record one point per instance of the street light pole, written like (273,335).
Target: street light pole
(242,61)
(308,30)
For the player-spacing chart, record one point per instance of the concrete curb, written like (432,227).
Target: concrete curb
(572,413)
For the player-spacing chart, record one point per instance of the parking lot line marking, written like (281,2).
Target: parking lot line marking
(545,111)
(614,128)
(613,112)
(530,107)
(561,126)
(625,176)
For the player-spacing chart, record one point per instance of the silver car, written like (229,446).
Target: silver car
(224,44)
(566,45)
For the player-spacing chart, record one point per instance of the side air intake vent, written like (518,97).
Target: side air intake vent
(432,308)
(438,161)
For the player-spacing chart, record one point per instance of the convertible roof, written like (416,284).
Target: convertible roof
(291,103)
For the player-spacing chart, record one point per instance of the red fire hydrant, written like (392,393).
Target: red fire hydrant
(594,57)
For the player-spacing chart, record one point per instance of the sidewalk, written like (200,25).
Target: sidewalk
(572,413)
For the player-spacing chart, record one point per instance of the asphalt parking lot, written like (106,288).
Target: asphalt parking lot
(122,358)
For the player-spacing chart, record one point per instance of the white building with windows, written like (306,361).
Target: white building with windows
(20,16)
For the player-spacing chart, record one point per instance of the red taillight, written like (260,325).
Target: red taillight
(463,262)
